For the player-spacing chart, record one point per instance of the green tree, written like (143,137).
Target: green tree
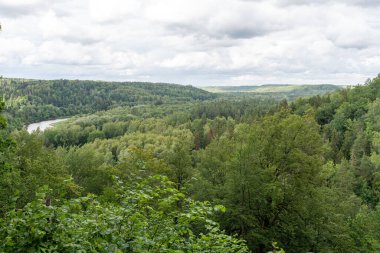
(142,218)
(179,160)
(272,183)
(9,178)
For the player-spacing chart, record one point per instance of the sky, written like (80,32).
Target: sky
(197,42)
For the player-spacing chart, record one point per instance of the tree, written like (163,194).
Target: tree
(9,178)
(142,217)
(212,169)
(272,181)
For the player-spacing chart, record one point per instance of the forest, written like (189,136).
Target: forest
(276,91)
(150,167)
(28,101)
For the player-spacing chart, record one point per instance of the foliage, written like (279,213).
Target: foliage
(276,91)
(305,174)
(143,217)
(30,101)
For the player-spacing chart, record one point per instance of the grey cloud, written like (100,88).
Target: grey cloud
(366,2)
(221,33)
(225,42)
(234,31)
(244,31)
(236,20)
(81,39)
(359,45)
(84,36)
(363,3)
(184,29)
(15,11)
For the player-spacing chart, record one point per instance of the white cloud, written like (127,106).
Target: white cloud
(20,3)
(193,60)
(52,26)
(113,10)
(59,53)
(13,48)
(204,42)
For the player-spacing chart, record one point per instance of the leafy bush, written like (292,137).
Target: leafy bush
(145,216)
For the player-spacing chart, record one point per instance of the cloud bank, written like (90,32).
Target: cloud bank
(199,42)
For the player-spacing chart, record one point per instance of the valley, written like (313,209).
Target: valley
(224,167)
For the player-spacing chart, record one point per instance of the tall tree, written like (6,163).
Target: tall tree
(272,183)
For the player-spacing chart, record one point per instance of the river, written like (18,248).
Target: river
(43,125)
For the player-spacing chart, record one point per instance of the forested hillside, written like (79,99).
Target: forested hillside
(184,172)
(275,91)
(35,100)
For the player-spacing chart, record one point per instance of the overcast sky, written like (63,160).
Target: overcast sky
(198,42)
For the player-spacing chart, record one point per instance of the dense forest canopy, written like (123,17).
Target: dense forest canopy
(276,91)
(36,100)
(166,168)
(29,101)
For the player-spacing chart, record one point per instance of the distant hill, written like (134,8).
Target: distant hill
(29,101)
(277,91)
(34,100)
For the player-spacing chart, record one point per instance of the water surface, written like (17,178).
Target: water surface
(43,125)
